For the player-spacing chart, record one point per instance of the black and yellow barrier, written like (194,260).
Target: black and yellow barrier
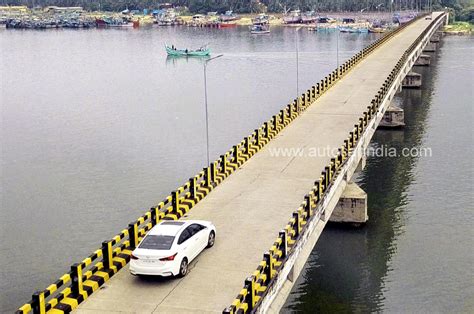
(256,286)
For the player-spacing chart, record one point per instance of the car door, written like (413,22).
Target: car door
(199,237)
(191,245)
(185,245)
(203,236)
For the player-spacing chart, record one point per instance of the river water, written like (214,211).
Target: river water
(99,125)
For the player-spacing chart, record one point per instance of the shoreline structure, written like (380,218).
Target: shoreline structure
(275,19)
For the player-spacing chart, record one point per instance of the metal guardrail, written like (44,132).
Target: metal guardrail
(256,286)
(87,276)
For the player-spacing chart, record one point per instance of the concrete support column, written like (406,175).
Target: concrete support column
(423,60)
(394,117)
(434,38)
(361,164)
(412,80)
(352,206)
(430,47)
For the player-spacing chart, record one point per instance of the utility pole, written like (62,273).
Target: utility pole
(297,39)
(205,104)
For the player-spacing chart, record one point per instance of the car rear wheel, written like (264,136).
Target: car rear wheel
(212,239)
(183,267)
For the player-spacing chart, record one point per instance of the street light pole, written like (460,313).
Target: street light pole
(337,48)
(297,62)
(205,104)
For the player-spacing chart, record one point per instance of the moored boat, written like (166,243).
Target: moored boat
(112,22)
(201,52)
(261,19)
(293,17)
(227,24)
(346,29)
(326,28)
(229,16)
(351,29)
(100,22)
(259,29)
(376,30)
(308,17)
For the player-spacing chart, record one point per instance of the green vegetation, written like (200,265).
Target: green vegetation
(466,14)
(459,28)
(463,8)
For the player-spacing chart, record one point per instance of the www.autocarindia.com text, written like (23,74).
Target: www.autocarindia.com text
(372,151)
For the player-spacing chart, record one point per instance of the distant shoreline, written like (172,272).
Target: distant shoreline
(459,28)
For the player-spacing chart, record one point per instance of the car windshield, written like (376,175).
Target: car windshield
(157,242)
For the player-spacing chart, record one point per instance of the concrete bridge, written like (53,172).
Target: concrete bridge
(270,197)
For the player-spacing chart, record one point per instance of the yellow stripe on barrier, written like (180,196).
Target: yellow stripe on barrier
(52,288)
(244,307)
(53,303)
(91,283)
(25,308)
(102,274)
(122,261)
(65,278)
(116,238)
(87,261)
(71,302)
(88,274)
(66,292)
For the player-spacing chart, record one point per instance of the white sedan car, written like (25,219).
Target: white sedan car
(170,246)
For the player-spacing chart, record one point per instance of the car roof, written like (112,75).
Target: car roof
(168,227)
(173,227)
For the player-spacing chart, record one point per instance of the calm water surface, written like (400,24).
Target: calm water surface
(415,255)
(97,126)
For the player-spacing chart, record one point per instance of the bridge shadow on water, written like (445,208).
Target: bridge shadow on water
(347,269)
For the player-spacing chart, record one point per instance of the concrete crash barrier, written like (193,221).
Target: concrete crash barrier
(264,279)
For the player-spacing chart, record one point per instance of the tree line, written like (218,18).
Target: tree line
(258,6)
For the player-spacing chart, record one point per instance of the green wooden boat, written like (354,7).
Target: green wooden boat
(173,51)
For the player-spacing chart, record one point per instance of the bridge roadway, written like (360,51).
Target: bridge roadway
(256,201)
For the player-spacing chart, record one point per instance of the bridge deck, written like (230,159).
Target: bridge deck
(254,203)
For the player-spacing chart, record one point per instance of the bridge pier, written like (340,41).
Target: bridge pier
(423,60)
(352,206)
(361,164)
(430,47)
(394,117)
(434,38)
(412,80)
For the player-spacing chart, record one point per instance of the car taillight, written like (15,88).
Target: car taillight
(169,258)
(133,257)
